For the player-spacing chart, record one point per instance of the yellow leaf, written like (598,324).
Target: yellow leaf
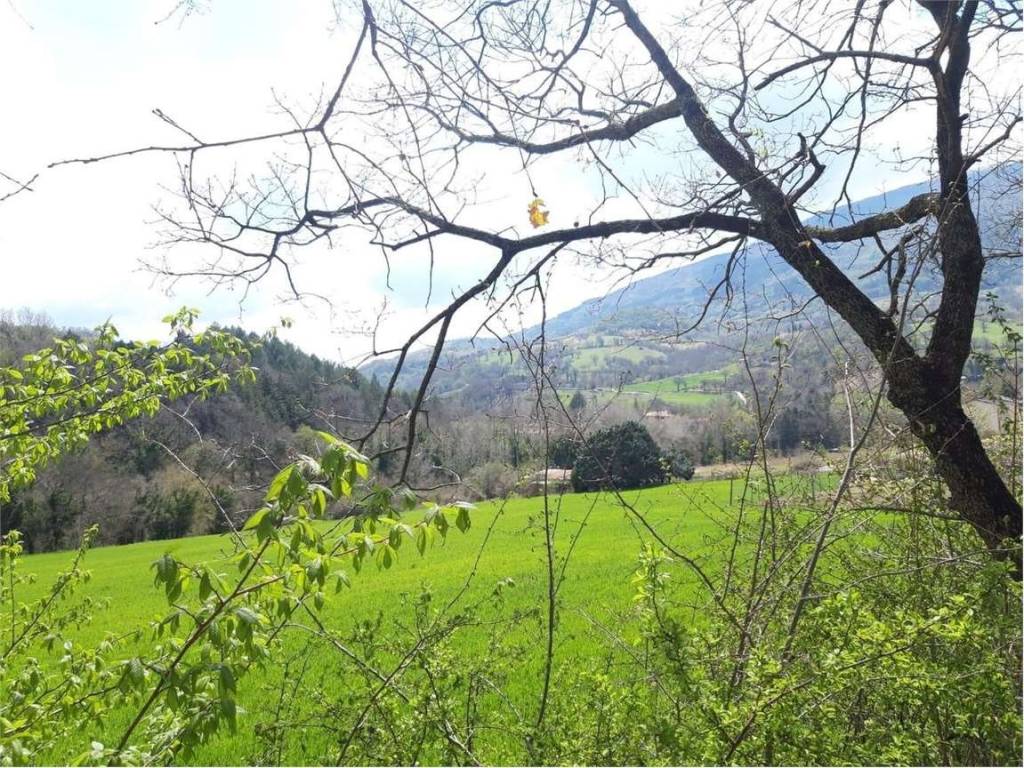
(538,216)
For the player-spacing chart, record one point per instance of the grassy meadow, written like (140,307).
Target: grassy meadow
(596,358)
(646,392)
(505,541)
(685,390)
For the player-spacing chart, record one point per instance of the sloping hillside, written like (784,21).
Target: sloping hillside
(136,481)
(627,335)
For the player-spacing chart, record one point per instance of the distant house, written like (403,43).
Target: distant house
(558,481)
(659,415)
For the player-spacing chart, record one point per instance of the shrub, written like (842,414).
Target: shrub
(678,463)
(622,456)
(562,453)
(492,480)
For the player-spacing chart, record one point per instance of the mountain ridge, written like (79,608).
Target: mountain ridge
(651,292)
(662,303)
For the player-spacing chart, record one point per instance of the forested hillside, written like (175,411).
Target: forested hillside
(195,464)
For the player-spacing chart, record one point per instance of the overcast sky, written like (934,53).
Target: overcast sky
(82,78)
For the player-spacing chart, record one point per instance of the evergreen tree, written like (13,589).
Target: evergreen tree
(622,456)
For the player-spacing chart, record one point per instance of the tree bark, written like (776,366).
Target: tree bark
(926,388)
(977,491)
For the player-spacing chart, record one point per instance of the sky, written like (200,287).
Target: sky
(82,79)
(86,79)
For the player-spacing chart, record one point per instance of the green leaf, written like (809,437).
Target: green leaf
(205,586)
(136,672)
(226,679)
(256,518)
(327,437)
(386,556)
(230,713)
(247,615)
(166,569)
(462,521)
(279,482)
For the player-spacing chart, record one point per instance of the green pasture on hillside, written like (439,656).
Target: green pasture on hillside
(671,397)
(597,358)
(689,381)
(646,397)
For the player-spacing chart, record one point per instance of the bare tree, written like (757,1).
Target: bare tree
(757,111)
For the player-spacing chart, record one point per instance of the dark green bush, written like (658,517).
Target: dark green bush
(562,453)
(622,456)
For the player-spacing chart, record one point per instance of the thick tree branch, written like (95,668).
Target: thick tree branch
(667,225)
(895,58)
(917,208)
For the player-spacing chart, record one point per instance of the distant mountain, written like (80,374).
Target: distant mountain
(656,303)
(665,302)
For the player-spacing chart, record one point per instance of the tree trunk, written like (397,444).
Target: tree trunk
(978,493)
(926,389)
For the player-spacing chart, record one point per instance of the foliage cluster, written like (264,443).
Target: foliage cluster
(137,480)
(61,395)
(622,456)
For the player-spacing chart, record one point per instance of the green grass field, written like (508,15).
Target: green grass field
(644,399)
(645,393)
(682,390)
(715,378)
(597,580)
(596,358)
(683,399)
(988,331)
